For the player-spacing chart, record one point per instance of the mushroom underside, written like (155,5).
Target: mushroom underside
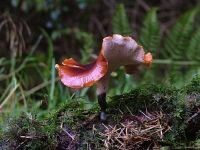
(76,76)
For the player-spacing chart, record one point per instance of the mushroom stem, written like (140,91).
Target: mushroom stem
(102,87)
(103,105)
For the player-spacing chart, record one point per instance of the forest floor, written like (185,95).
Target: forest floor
(148,117)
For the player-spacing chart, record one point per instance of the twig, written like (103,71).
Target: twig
(193,116)
(129,110)
(19,146)
(145,130)
(145,115)
(129,134)
(71,136)
(144,4)
(30,137)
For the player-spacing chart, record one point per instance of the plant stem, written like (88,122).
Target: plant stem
(174,62)
(9,96)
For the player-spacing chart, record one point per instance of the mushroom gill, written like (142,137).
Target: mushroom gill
(76,76)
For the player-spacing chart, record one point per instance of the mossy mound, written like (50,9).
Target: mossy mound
(147,117)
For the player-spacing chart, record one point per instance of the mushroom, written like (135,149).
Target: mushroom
(116,51)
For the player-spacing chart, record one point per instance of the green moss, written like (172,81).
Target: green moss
(31,132)
(71,113)
(193,86)
(170,100)
(146,96)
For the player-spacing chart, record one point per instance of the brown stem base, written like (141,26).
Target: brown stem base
(103,106)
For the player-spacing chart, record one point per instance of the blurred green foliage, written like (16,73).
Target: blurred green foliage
(150,36)
(120,23)
(177,42)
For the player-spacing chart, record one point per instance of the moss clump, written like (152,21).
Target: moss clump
(146,96)
(26,132)
(58,130)
(181,105)
(193,86)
